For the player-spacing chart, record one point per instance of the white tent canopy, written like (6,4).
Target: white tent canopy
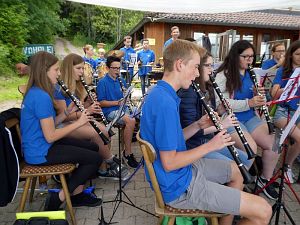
(196,6)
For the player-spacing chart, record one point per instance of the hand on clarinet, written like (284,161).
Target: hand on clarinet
(221,140)
(84,118)
(261,90)
(230,121)
(94,108)
(257,101)
(204,122)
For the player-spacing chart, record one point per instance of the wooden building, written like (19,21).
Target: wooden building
(258,27)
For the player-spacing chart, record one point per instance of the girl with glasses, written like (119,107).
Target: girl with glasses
(236,85)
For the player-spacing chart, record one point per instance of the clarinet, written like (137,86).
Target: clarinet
(81,108)
(246,175)
(124,91)
(88,91)
(264,108)
(238,128)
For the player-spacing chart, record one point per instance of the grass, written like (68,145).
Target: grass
(9,87)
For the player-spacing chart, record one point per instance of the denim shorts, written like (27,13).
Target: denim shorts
(282,113)
(248,125)
(224,154)
(113,114)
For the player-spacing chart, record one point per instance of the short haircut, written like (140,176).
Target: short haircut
(101,50)
(273,49)
(127,37)
(180,49)
(111,59)
(143,40)
(174,28)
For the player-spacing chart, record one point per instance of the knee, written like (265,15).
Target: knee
(265,211)
(236,175)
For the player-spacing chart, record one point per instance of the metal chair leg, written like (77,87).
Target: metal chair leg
(24,194)
(67,196)
(33,183)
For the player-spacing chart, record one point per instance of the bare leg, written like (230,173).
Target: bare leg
(128,132)
(265,141)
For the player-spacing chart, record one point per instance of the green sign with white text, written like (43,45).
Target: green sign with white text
(31,49)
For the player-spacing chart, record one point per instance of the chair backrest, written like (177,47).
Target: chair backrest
(149,156)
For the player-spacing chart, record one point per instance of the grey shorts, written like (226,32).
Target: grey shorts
(282,113)
(206,191)
(113,114)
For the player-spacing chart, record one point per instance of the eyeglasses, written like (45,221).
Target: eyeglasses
(247,56)
(280,51)
(114,68)
(208,65)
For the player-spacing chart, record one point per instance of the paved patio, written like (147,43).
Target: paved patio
(139,193)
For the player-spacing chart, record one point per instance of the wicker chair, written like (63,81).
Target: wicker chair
(31,173)
(160,207)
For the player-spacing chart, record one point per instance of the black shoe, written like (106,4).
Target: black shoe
(130,160)
(52,202)
(83,199)
(269,191)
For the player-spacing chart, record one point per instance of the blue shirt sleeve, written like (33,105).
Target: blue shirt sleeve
(101,90)
(44,108)
(278,77)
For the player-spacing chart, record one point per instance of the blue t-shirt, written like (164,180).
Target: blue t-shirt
(127,57)
(91,61)
(268,64)
(110,90)
(37,105)
(160,126)
(278,80)
(146,57)
(58,95)
(246,91)
(168,42)
(100,60)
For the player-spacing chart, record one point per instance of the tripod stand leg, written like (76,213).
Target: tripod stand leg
(288,215)
(102,220)
(135,171)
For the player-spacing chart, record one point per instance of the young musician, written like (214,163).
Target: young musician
(192,110)
(71,71)
(110,95)
(45,144)
(174,35)
(236,85)
(187,180)
(128,50)
(145,60)
(286,110)
(88,56)
(101,56)
(278,51)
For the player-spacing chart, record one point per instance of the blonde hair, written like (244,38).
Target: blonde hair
(67,75)
(39,66)
(180,49)
(87,47)
(101,50)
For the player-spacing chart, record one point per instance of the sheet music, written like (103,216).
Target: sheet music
(262,73)
(132,61)
(293,82)
(290,125)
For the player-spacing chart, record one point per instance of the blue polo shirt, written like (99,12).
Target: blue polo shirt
(268,64)
(168,42)
(91,61)
(58,95)
(146,57)
(246,91)
(160,125)
(37,105)
(278,80)
(110,90)
(126,57)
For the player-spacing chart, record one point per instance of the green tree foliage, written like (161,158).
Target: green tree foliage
(13,34)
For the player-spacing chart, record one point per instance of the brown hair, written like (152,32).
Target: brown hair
(67,75)
(40,63)
(273,49)
(127,37)
(288,59)
(180,49)
(174,28)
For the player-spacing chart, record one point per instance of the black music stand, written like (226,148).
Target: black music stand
(283,179)
(119,197)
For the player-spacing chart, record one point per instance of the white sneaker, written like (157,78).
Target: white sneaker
(290,175)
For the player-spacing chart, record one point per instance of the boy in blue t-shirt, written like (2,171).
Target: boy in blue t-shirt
(278,51)
(186,180)
(145,60)
(128,62)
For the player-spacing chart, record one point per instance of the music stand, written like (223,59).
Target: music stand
(119,197)
(284,145)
